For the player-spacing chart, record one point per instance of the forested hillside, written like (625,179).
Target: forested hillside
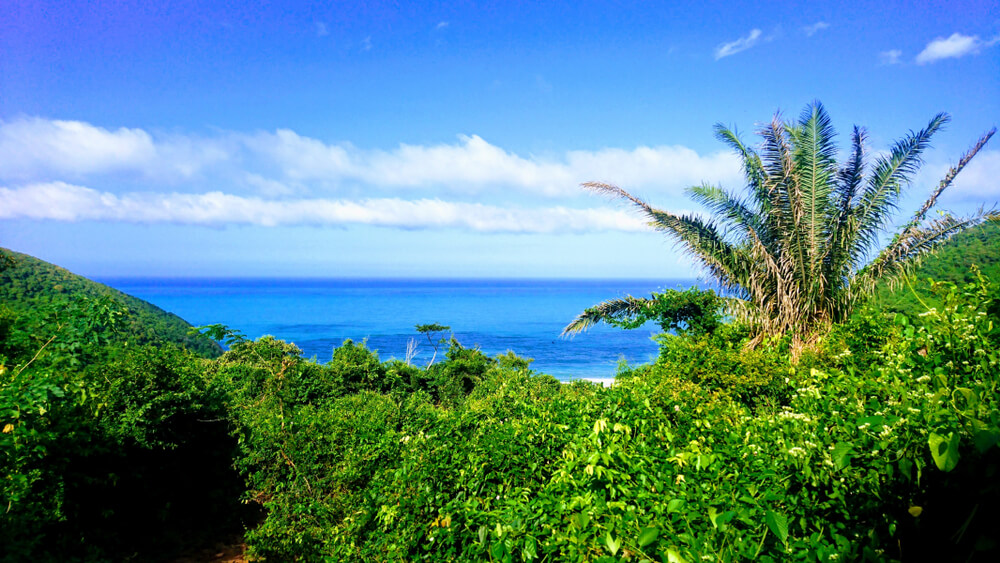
(29,286)
(953,262)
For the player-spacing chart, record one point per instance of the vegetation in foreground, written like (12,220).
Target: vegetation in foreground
(879,444)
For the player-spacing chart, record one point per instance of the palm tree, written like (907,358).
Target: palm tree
(801,247)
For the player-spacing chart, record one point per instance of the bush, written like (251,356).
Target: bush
(111,452)
(755,377)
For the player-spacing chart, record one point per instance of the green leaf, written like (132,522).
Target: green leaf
(873,421)
(778,523)
(841,455)
(648,536)
(712,515)
(497,550)
(611,543)
(944,450)
(969,397)
(675,505)
(530,549)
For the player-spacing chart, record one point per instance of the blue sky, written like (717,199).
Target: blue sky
(441,139)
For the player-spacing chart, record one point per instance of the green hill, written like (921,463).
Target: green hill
(979,246)
(29,285)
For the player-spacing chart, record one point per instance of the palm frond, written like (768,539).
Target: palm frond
(753,168)
(851,176)
(698,237)
(889,174)
(949,178)
(723,204)
(816,168)
(900,244)
(613,190)
(843,226)
(627,306)
(785,198)
(702,240)
(909,248)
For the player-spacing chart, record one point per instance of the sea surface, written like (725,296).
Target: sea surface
(525,316)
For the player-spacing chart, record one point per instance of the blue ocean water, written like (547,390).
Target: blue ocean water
(525,316)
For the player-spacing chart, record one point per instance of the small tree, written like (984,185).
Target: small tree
(431,331)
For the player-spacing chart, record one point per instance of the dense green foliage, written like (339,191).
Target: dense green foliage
(28,285)
(878,443)
(710,454)
(800,248)
(108,450)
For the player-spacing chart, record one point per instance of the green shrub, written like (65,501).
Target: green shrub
(755,377)
(110,452)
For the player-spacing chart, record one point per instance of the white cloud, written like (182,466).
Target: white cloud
(284,163)
(67,202)
(953,47)
(35,148)
(741,44)
(890,57)
(300,158)
(811,30)
(441,25)
(321,30)
(70,147)
(366,43)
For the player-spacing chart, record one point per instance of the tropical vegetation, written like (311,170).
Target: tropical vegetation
(801,248)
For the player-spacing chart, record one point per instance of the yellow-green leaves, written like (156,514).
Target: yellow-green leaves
(612,543)
(600,426)
(648,535)
(944,450)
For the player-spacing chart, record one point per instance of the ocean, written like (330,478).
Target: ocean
(495,315)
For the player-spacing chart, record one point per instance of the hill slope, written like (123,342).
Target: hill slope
(27,283)
(953,262)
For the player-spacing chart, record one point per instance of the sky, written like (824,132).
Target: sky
(445,139)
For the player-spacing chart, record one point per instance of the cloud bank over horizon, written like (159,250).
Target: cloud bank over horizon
(59,201)
(76,171)
(62,170)
(282,161)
